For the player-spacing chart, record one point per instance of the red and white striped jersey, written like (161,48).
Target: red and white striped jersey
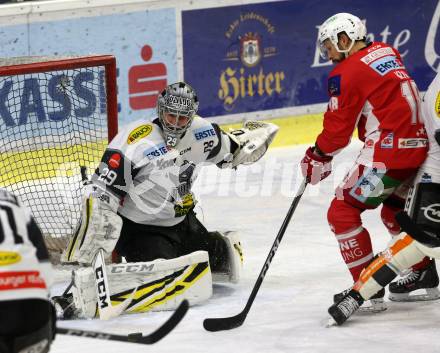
(25,270)
(372,90)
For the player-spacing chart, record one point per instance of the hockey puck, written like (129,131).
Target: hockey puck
(133,337)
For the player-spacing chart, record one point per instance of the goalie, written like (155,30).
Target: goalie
(140,204)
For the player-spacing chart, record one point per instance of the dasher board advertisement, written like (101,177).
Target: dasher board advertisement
(264,56)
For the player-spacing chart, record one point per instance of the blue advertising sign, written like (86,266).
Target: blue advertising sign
(146,57)
(264,56)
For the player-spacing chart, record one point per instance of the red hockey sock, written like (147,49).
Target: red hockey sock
(356,250)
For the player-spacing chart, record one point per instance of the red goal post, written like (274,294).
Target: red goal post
(57,116)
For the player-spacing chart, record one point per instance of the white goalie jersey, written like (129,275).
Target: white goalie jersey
(154,180)
(431,119)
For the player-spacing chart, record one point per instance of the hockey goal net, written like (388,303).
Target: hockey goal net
(56,118)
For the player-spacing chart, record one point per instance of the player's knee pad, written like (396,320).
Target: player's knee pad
(229,270)
(422,220)
(157,285)
(343,217)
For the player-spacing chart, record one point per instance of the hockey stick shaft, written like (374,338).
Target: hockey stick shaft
(151,338)
(105,308)
(218,324)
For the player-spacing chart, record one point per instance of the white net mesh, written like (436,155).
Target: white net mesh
(52,123)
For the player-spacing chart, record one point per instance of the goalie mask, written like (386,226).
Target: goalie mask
(339,23)
(176,107)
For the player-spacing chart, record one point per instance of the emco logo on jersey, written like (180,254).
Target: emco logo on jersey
(139,133)
(376,54)
(9,258)
(432,212)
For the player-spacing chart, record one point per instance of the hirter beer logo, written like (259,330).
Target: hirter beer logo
(250,49)
(250,55)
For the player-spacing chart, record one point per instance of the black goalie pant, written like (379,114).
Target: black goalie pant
(26,323)
(140,242)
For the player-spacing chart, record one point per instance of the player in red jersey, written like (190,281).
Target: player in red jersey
(421,221)
(370,90)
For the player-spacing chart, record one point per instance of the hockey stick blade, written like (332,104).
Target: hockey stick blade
(114,311)
(225,323)
(151,338)
(228,323)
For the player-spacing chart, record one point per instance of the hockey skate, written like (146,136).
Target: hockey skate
(418,285)
(346,306)
(375,304)
(64,306)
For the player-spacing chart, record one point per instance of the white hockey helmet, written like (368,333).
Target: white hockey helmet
(180,100)
(341,22)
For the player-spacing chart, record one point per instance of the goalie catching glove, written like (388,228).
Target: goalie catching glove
(253,140)
(99,226)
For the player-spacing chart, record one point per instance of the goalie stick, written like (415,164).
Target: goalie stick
(151,338)
(227,323)
(105,308)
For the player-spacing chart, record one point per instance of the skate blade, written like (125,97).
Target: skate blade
(425,294)
(330,323)
(373,306)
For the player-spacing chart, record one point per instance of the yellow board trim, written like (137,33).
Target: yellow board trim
(51,162)
(297,130)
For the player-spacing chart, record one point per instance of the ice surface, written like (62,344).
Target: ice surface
(290,311)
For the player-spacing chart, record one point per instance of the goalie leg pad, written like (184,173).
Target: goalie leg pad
(233,261)
(160,284)
(99,227)
(401,255)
